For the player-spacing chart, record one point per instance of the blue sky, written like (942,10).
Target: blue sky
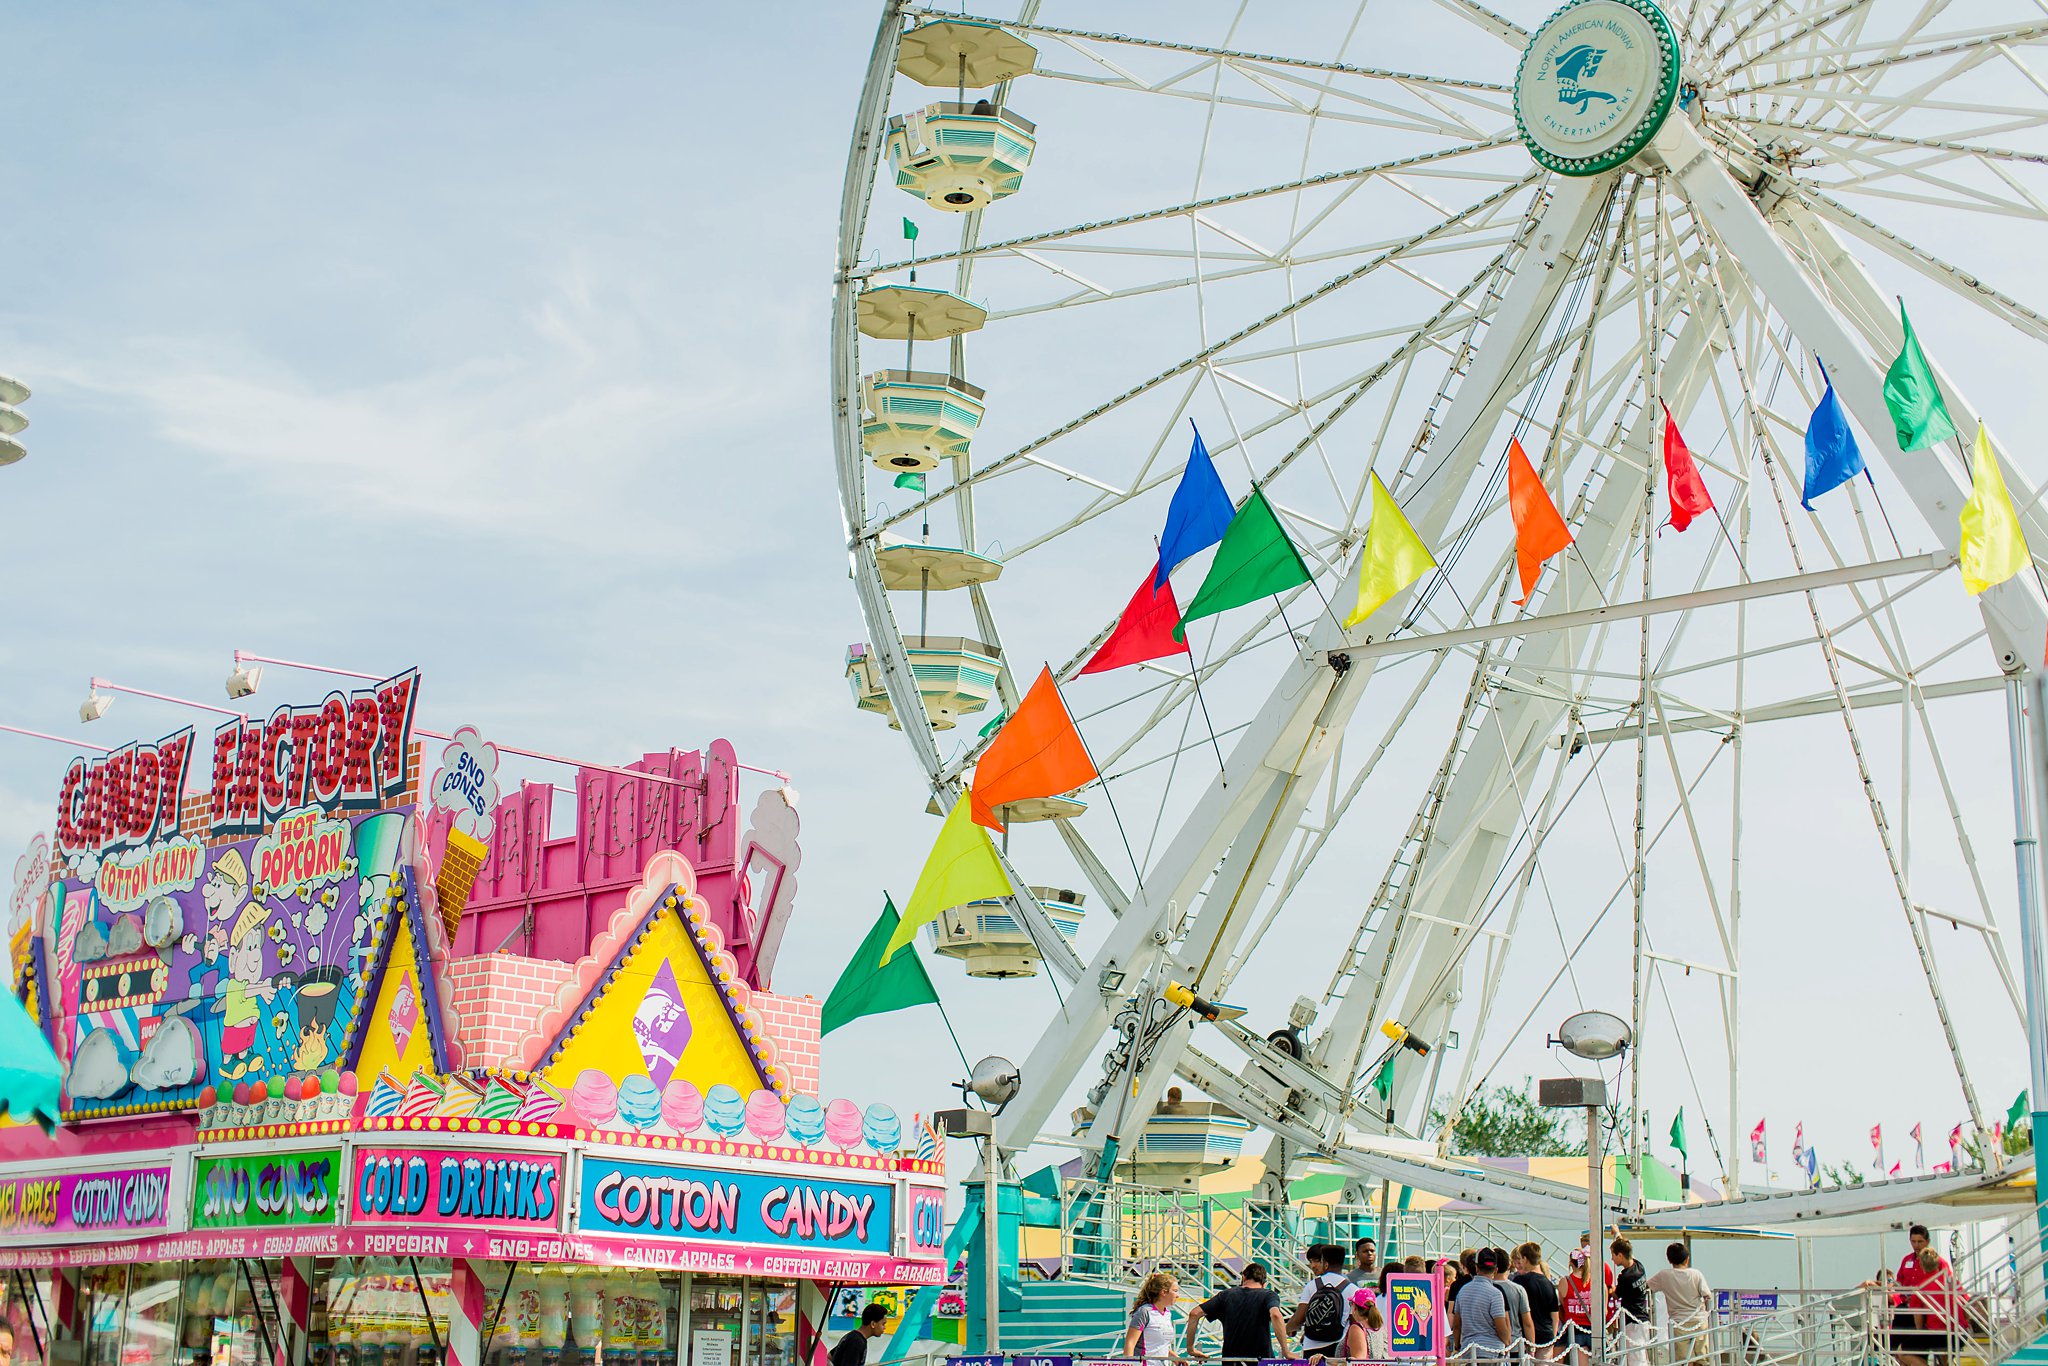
(492,339)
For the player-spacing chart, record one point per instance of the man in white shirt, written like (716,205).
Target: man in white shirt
(1689,1301)
(1312,1319)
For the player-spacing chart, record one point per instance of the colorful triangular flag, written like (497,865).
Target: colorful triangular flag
(1394,556)
(1919,1148)
(1682,482)
(871,984)
(1540,530)
(1255,559)
(962,867)
(1199,514)
(1146,630)
(1918,414)
(1994,548)
(1756,1144)
(1037,753)
(1832,456)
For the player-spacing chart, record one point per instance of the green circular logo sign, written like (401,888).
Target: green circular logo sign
(1596,82)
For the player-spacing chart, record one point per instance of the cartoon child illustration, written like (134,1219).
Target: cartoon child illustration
(226,892)
(239,1000)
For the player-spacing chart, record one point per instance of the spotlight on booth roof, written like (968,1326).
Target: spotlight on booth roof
(244,681)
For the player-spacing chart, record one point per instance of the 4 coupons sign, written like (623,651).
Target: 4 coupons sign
(267,1190)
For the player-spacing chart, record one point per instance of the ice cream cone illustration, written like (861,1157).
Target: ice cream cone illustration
(461,861)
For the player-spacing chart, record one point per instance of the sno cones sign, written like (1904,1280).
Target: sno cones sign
(1994,549)
(1394,557)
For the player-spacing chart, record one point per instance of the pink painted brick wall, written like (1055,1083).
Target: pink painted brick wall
(792,1022)
(497,997)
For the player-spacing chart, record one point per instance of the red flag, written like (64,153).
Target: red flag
(1037,753)
(1955,1137)
(1540,531)
(1682,478)
(1944,1166)
(1877,1136)
(1894,1171)
(1144,631)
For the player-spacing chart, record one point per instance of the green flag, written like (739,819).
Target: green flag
(913,480)
(1678,1134)
(1254,560)
(909,231)
(1913,396)
(2017,1111)
(1383,1081)
(870,987)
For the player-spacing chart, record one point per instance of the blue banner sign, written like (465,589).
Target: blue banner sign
(1039,1361)
(646,1200)
(1746,1304)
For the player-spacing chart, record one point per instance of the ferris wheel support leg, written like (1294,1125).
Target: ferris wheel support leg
(2015,613)
(1272,770)
(1480,814)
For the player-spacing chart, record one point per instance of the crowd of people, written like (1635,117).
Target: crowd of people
(1502,1306)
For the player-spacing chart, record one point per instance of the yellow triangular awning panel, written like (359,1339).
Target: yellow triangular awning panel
(396,1039)
(659,1016)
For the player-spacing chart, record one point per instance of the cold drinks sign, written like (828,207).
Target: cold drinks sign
(406,1185)
(641,1200)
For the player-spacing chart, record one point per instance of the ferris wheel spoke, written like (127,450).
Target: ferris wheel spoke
(1005,463)
(1179,89)
(1986,44)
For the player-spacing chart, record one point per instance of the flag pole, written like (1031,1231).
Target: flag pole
(1194,676)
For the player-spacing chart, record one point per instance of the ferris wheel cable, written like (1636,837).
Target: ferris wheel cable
(1356,173)
(1846,711)
(1006,462)
(1417,341)
(1805,28)
(2028,34)
(1217,53)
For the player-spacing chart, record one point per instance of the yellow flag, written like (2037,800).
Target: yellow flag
(1394,556)
(962,868)
(1993,547)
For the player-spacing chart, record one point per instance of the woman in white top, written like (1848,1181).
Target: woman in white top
(1149,1334)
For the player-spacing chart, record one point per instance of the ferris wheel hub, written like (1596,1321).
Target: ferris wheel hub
(1595,84)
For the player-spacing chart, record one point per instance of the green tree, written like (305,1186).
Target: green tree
(2018,1140)
(1506,1121)
(1840,1174)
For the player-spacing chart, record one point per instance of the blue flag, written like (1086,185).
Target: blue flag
(1200,511)
(1812,1170)
(1832,457)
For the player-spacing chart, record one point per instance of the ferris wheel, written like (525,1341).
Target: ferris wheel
(1382,242)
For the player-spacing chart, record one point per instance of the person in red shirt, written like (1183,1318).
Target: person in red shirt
(1575,1312)
(1919,1319)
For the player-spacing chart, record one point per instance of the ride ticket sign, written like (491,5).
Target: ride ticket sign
(97,1204)
(461,1187)
(1416,1316)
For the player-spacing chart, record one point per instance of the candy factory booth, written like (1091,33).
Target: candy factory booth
(371,1071)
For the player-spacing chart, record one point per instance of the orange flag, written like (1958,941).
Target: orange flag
(1037,753)
(1540,531)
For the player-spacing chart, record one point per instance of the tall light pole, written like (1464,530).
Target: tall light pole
(1595,1036)
(995,1083)
(2030,780)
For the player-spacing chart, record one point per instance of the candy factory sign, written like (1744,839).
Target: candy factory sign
(347,752)
(643,1200)
(100,1204)
(266,1190)
(407,1185)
